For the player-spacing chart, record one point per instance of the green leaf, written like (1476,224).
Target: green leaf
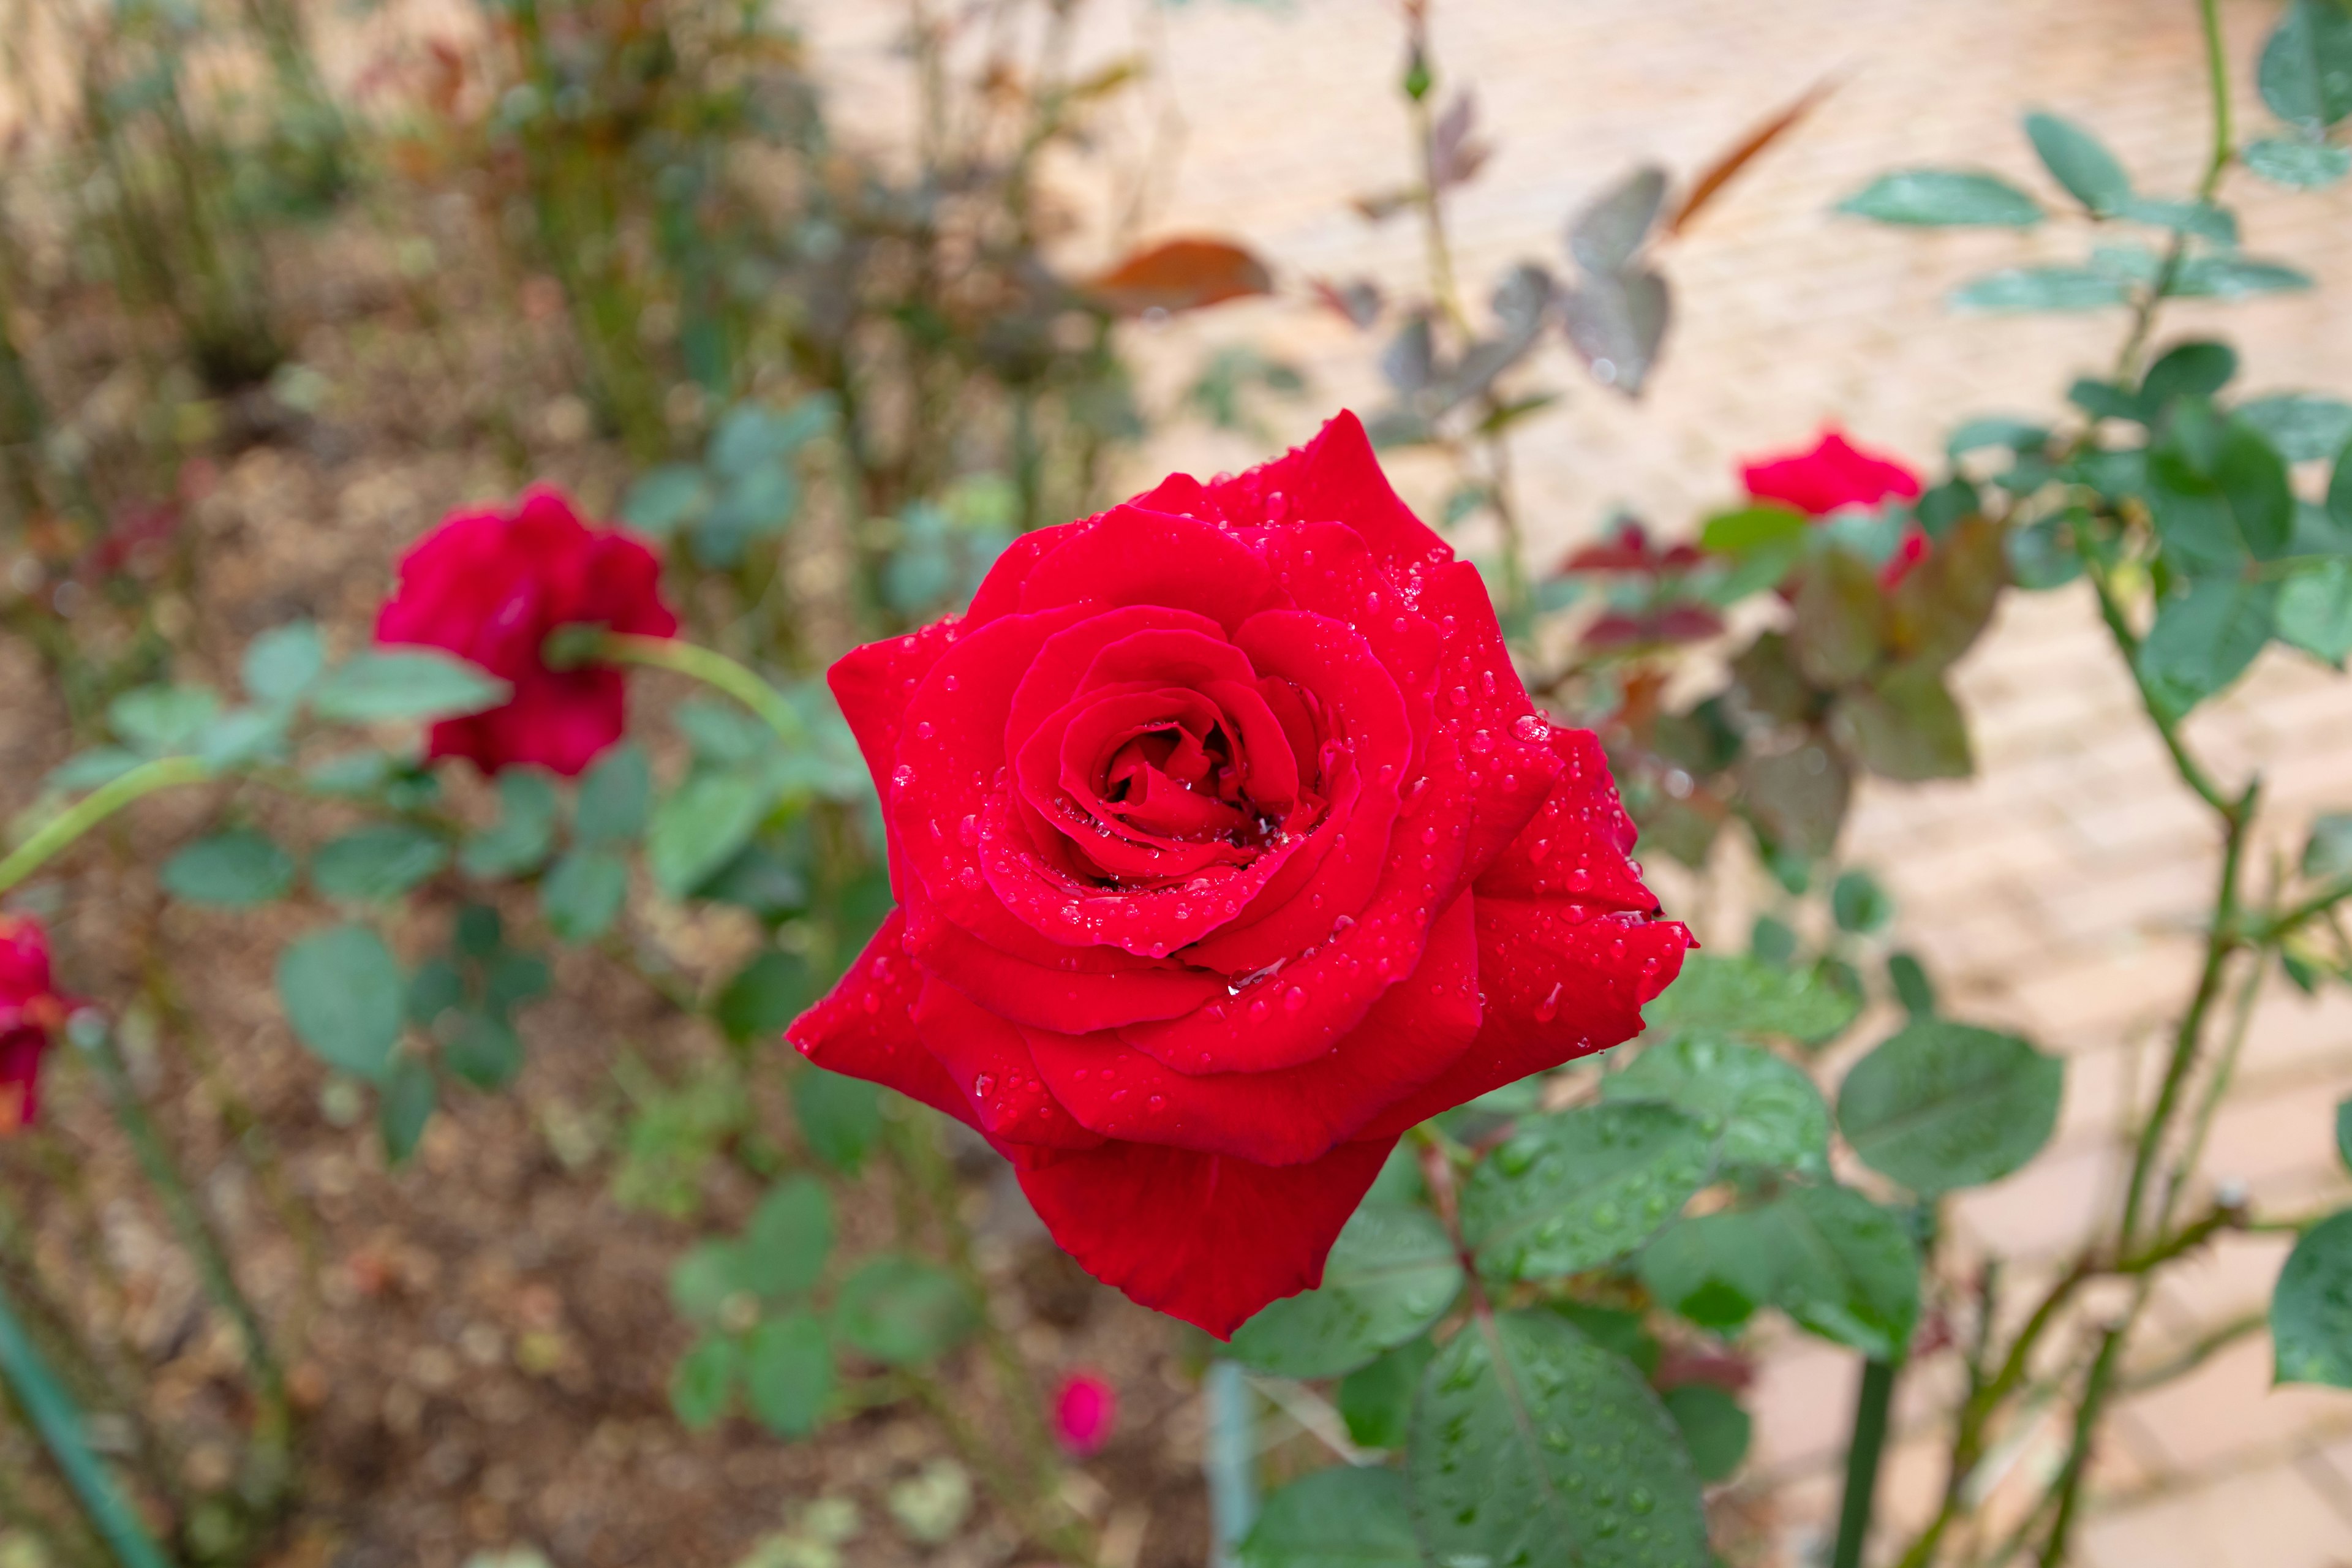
(1905,725)
(283,662)
(89,769)
(2204,639)
(1714,1427)
(2254,481)
(1603,235)
(2314,609)
(405,1107)
(901,1311)
(2298,165)
(2041,554)
(525,831)
(1390,1275)
(765,995)
(345,998)
(2080,162)
(1741,996)
(1941,1105)
(2235,277)
(1751,528)
(1573,1191)
(2303,426)
(584,893)
(839,1116)
(702,1282)
(1532,1445)
(483,1049)
(1376,1399)
(1349,1516)
(1765,1112)
(788,1373)
(162,720)
(2027,289)
(1834,1261)
(411,684)
(788,1239)
(751,433)
(1997,430)
(2344,1134)
(236,868)
(2311,1311)
(2306,74)
(614,796)
(243,735)
(702,1385)
(2328,853)
(2203,220)
(1912,988)
(2199,368)
(1944,198)
(377,863)
(509,979)
(663,497)
(1859,904)
(434,989)
(698,827)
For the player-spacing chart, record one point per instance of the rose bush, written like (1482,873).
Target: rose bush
(489,586)
(1228,846)
(31,1012)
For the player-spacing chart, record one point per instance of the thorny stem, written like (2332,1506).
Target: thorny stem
(2095,1387)
(55,836)
(273,1422)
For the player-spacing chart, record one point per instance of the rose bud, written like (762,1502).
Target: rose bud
(489,586)
(1229,846)
(1086,1412)
(31,1014)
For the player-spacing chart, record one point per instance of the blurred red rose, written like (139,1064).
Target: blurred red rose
(31,1013)
(1834,474)
(1085,1410)
(1908,554)
(489,586)
(1228,846)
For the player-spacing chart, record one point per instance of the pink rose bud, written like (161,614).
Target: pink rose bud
(1086,1410)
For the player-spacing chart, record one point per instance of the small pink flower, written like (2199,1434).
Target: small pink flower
(1086,1410)
(1833,474)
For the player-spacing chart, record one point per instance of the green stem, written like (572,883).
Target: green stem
(55,836)
(2197,1353)
(2069,1489)
(51,1414)
(273,1420)
(696,663)
(1863,1454)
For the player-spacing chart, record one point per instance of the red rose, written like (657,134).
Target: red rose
(489,586)
(1086,1413)
(1228,847)
(1834,474)
(31,1013)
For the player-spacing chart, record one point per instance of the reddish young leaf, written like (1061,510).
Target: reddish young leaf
(1719,174)
(1181,275)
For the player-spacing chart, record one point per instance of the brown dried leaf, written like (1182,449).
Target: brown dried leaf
(1181,275)
(1720,173)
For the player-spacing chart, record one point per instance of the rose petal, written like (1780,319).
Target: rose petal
(1079,990)
(985,1057)
(1335,477)
(1198,1237)
(1129,556)
(1293,1113)
(1575,845)
(864,1026)
(1560,982)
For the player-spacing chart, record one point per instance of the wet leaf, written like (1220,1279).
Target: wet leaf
(1832,1260)
(1390,1275)
(1942,1105)
(1764,1112)
(1616,324)
(1530,1444)
(1181,275)
(1572,1191)
(2204,639)
(1742,996)
(1376,1399)
(1348,1516)
(1714,1427)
